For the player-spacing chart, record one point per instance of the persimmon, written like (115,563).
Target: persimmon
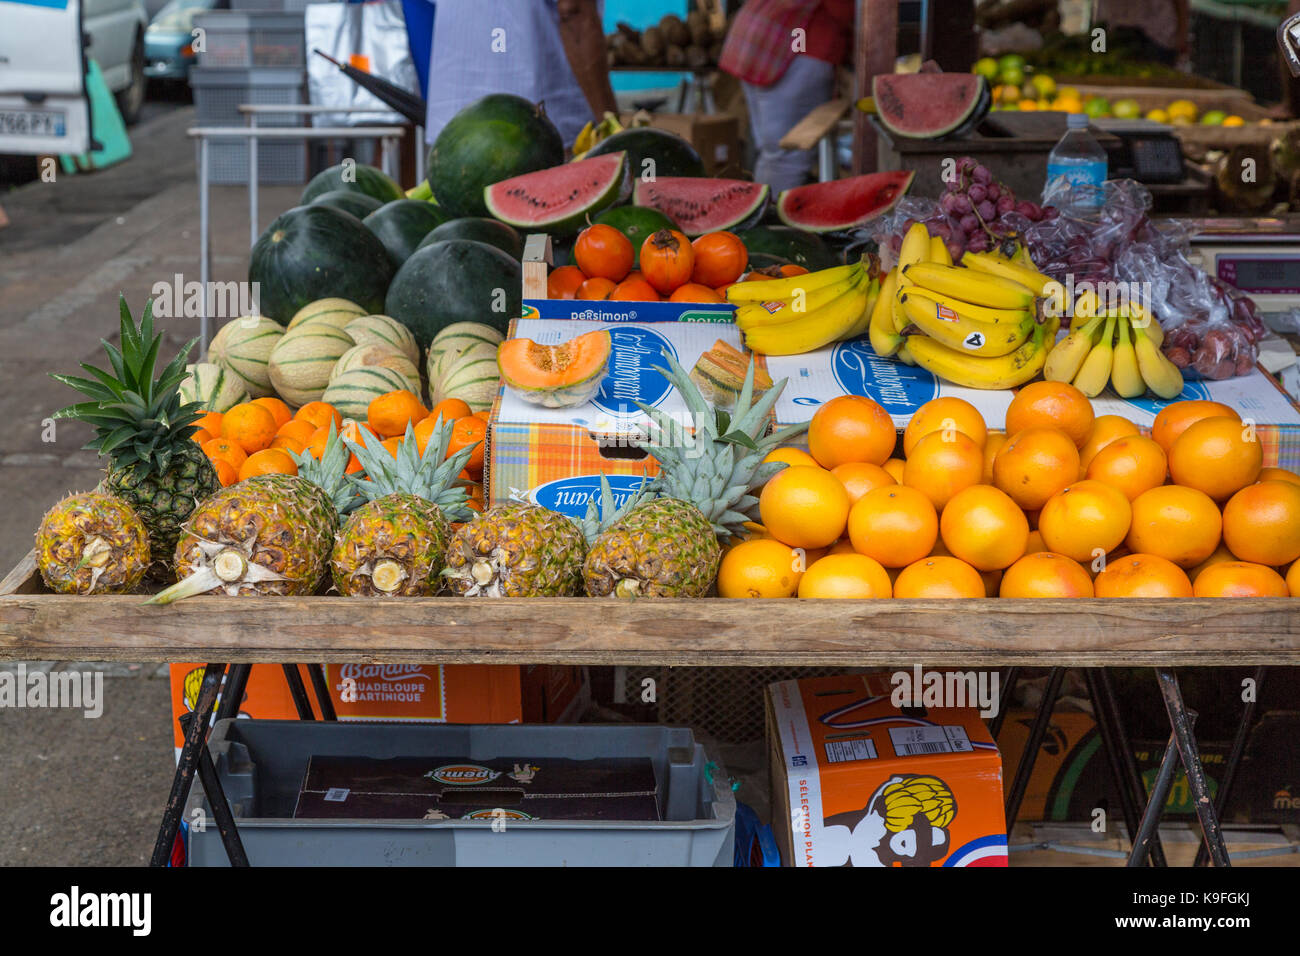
(720,259)
(563,282)
(602,251)
(667,260)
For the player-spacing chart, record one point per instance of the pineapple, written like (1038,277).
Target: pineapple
(516,550)
(144,429)
(330,473)
(270,534)
(394,544)
(92,542)
(667,545)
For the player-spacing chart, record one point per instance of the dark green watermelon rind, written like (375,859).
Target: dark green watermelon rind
(672,155)
(888,105)
(479,229)
(601,195)
(497,137)
(456,280)
(795,246)
(790,216)
(358,204)
(402,224)
(638,223)
(318,252)
(369,181)
(740,217)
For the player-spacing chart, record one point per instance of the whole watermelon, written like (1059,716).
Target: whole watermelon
(495,138)
(456,280)
(354,177)
(492,231)
(652,152)
(318,252)
(402,224)
(359,204)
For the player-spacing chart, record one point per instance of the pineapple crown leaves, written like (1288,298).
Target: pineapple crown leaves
(330,472)
(138,419)
(603,511)
(432,475)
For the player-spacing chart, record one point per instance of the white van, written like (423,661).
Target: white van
(42,73)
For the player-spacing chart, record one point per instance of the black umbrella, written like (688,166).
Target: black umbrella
(403,101)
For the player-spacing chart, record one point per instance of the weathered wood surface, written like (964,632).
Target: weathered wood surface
(43,626)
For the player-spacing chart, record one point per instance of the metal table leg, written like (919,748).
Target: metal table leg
(1181,722)
(1156,803)
(1036,733)
(298,691)
(322,688)
(220,805)
(1009,677)
(232,693)
(1234,760)
(1128,780)
(195,735)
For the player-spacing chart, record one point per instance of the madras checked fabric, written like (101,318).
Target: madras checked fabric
(758,48)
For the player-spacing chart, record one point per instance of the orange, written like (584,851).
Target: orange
(226,450)
(992,445)
(1035,464)
(1045,574)
(200,436)
(210,423)
(791,456)
(761,568)
(895,525)
(1220,555)
(1179,524)
(469,431)
(1293,580)
(316,444)
(1142,576)
(845,576)
(1105,429)
(858,478)
(845,546)
(277,408)
(1240,579)
(941,464)
(390,413)
(352,431)
(1278,474)
(268,461)
(946,414)
(851,428)
(424,429)
(1218,456)
(1051,405)
(984,527)
(295,428)
(392,444)
(939,576)
(894,467)
(227,473)
(484,413)
(319,413)
(1035,542)
(1261,523)
(1086,520)
(1132,464)
(804,507)
(1173,420)
(450,409)
(354,465)
(250,426)
(289,443)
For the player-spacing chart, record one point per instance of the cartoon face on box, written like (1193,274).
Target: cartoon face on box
(905,823)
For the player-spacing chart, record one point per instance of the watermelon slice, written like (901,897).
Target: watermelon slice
(699,206)
(559,200)
(930,105)
(843,203)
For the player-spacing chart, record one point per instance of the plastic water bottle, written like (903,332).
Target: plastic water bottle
(1080,159)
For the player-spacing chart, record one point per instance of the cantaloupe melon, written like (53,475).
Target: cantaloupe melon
(353,391)
(303,359)
(382,355)
(336,312)
(556,376)
(459,338)
(243,347)
(473,379)
(384,330)
(213,387)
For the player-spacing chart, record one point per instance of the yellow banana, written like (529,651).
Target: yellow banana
(983,313)
(1005,371)
(1086,305)
(960,332)
(880,330)
(1161,375)
(1065,360)
(970,285)
(1093,375)
(1001,266)
(1143,319)
(868,307)
(1022,256)
(903,355)
(939,251)
(774,290)
(1125,377)
(796,306)
(811,330)
(915,248)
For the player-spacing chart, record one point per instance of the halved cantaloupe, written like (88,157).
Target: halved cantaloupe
(555,376)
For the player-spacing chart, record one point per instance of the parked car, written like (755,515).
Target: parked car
(116,31)
(169,41)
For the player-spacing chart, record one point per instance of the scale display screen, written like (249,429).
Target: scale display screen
(1261,274)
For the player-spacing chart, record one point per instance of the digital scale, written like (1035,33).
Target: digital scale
(1261,257)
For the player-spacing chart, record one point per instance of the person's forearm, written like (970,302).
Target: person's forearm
(583,37)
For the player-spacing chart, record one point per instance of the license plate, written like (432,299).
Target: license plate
(33,123)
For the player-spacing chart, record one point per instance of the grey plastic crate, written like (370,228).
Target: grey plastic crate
(218,94)
(251,38)
(261,764)
(278,163)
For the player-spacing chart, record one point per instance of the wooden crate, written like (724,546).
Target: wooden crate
(38,625)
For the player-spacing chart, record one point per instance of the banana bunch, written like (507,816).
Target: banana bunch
(591,134)
(1120,346)
(802,313)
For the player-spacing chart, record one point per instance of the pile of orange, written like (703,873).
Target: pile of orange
(1064,504)
(253,438)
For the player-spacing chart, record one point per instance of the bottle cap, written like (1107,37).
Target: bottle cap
(1077,121)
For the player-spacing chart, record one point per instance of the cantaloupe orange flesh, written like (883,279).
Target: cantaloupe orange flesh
(528,365)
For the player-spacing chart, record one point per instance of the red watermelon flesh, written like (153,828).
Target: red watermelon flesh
(843,203)
(700,205)
(929,105)
(559,200)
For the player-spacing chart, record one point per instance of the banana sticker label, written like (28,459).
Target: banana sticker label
(945,314)
(974,341)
